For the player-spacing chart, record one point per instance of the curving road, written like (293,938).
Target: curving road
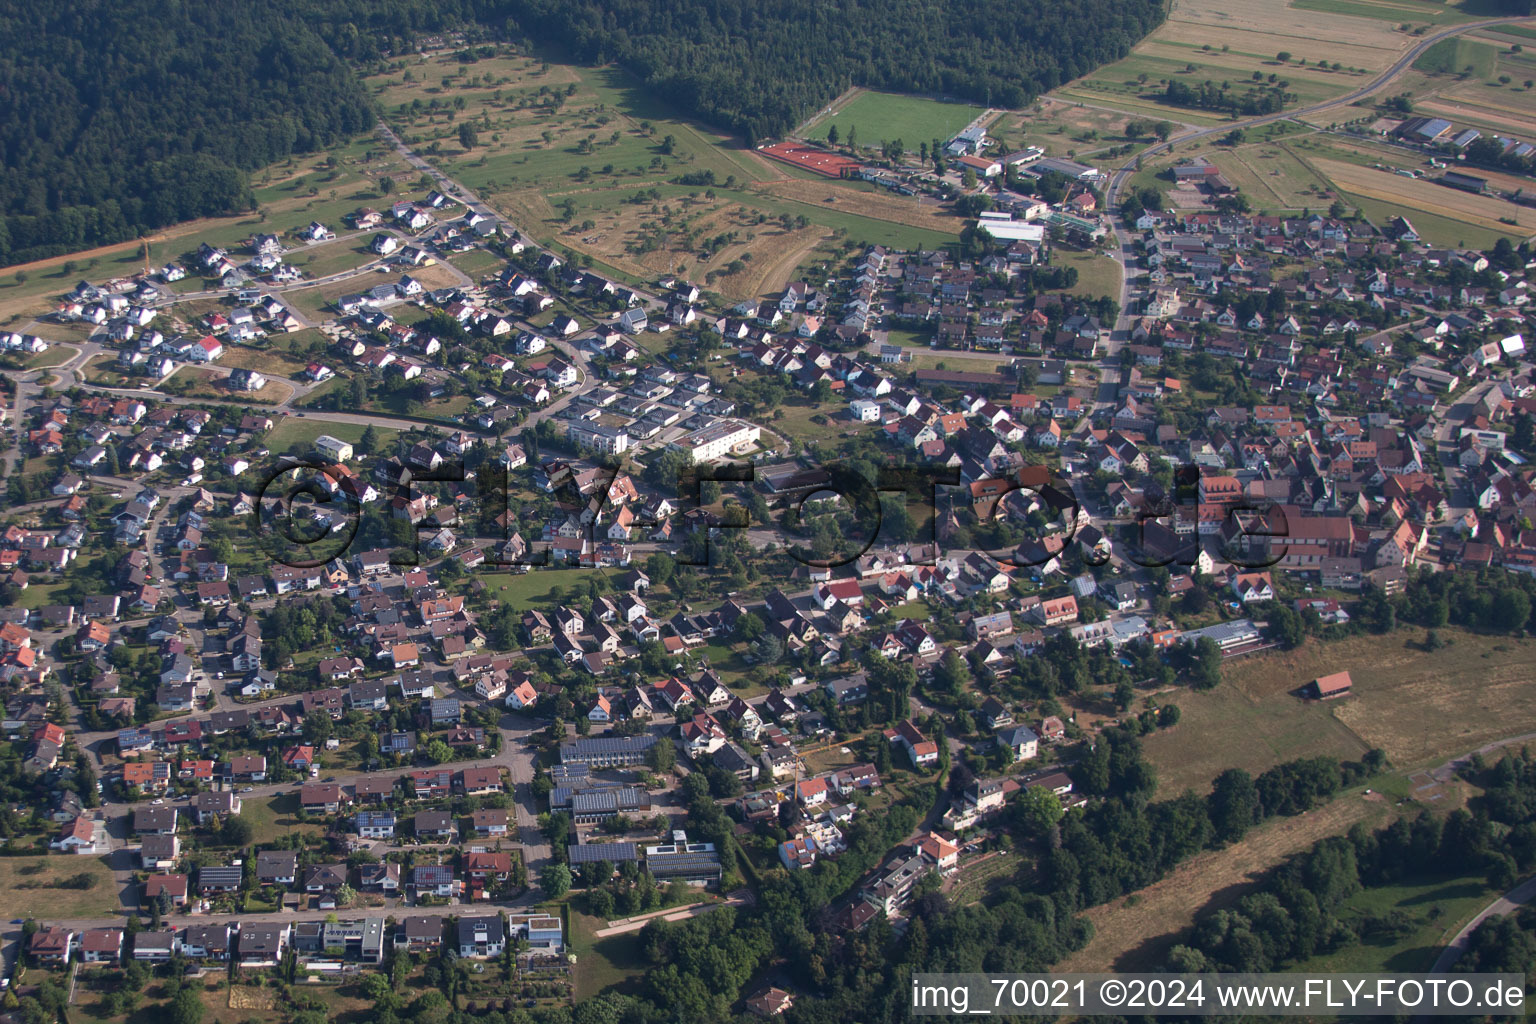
(1380,81)
(1511,901)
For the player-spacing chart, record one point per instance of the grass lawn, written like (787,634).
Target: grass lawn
(326,258)
(882,116)
(728,662)
(1435,910)
(798,421)
(38,594)
(1476,690)
(1452,56)
(535,586)
(291,431)
(478,262)
(909,339)
(602,963)
(275,816)
(102,369)
(32,887)
(1097,275)
(56,355)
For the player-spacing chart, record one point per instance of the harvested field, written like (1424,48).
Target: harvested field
(875,205)
(1419,194)
(1136,932)
(1371,26)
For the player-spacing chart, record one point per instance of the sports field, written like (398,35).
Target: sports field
(878,117)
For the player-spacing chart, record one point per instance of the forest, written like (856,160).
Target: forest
(758,68)
(126,117)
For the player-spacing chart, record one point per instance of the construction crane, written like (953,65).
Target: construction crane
(145,243)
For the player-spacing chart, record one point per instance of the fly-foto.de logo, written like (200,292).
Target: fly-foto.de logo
(309,513)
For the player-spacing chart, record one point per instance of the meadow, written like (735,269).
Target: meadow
(1135,932)
(1420,707)
(35,887)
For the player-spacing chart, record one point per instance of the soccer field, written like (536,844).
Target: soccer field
(884,117)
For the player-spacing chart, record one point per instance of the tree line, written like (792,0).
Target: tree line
(759,68)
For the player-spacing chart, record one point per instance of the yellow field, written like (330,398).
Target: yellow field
(1420,194)
(1255,26)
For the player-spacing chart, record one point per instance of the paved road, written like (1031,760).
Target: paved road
(1511,901)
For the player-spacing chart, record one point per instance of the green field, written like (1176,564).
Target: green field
(1433,228)
(534,587)
(292,430)
(603,963)
(1097,274)
(274,816)
(1453,56)
(878,117)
